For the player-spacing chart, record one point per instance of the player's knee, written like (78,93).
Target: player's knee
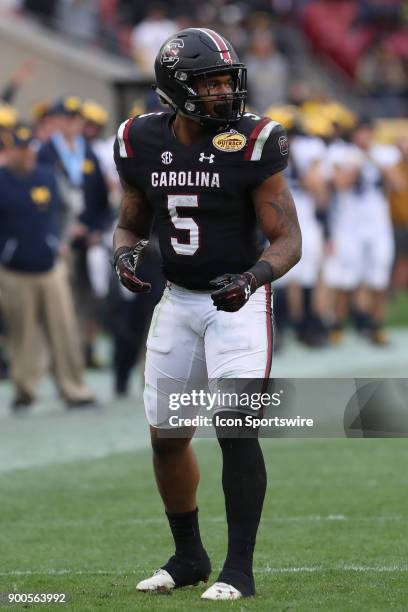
(163,447)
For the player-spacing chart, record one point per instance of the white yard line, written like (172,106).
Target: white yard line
(342,567)
(61,524)
(335,568)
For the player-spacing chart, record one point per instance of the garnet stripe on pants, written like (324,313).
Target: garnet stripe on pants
(269,332)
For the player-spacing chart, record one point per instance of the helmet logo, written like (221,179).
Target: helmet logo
(283,145)
(169,56)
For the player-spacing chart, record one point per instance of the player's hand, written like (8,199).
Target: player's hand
(233,290)
(124,264)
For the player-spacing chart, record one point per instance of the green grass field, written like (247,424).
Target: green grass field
(398,310)
(79,511)
(334,534)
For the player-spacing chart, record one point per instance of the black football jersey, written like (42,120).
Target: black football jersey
(201,193)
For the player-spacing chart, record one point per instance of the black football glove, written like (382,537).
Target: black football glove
(124,262)
(233,290)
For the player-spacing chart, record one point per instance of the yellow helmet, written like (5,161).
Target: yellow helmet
(8,116)
(341,115)
(311,106)
(91,111)
(287,115)
(317,124)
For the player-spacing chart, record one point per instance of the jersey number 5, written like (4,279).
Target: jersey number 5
(187,224)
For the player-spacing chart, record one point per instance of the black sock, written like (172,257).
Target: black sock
(186,533)
(244,485)
(362,320)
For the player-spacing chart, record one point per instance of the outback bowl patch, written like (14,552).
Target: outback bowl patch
(229,142)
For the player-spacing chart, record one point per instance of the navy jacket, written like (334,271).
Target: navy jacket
(29,233)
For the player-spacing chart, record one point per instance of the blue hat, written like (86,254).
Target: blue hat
(70,106)
(22,135)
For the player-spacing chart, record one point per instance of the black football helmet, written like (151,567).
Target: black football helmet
(200,52)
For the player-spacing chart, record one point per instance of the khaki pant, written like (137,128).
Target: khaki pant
(35,305)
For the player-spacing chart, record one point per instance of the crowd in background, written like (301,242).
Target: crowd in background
(351,194)
(368,42)
(366,39)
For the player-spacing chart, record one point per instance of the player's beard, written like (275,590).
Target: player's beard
(223,109)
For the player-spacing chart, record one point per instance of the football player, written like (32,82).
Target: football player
(363,244)
(206,172)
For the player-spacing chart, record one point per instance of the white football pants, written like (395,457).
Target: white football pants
(190,340)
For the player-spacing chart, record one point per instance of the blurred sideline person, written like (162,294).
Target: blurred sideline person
(155,26)
(204,172)
(87,211)
(45,121)
(308,187)
(34,287)
(268,71)
(8,120)
(95,120)
(362,238)
(99,253)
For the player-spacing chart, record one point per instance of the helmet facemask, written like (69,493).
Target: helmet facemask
(230,106)
(226,107)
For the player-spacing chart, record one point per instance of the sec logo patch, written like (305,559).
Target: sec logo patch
(229,142)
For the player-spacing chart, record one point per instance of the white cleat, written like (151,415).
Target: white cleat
(161,582)
(221,590)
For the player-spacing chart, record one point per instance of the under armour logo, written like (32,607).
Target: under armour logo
(167,157)
(247,293)
(209,158)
